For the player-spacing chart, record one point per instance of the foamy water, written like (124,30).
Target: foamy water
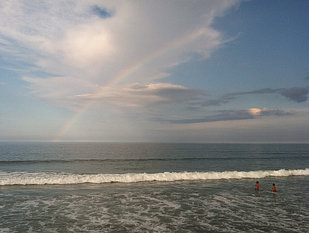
(186,206)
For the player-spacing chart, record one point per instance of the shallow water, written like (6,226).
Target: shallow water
(187,206)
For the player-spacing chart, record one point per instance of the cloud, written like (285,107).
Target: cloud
(297,94)
(97,40)
(254,111)
(88,45)
(233,95)
(216,102)
(267,112)
(137,95)
(231,115)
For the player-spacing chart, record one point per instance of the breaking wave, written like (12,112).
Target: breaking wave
(42,178)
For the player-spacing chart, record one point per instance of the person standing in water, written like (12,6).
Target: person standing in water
(257,186)
(274,188)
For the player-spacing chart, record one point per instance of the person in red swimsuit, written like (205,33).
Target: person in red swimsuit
(274,188)
(257,186)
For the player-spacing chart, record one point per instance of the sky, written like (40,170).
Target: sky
(154,71)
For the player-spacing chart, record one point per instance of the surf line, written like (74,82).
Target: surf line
(125,74)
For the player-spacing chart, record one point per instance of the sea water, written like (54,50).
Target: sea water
(153,187)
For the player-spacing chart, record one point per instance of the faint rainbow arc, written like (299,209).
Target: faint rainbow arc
(126,73)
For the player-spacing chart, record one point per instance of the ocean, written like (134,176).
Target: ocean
(153,187)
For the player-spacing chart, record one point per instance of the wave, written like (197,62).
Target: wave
(52,178)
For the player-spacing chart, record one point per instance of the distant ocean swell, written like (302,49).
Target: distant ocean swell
(141,160)
(42,178)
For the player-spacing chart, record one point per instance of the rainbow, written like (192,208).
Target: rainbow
(126,73)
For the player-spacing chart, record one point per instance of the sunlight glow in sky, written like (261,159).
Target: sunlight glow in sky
(154,71)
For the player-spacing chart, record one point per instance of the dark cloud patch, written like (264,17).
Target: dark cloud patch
(227,115)
(166,93)
(264,91)
(179,94)
(217,102)
(230,96)
(101,12)
(297,94)
(224,115)
(274,112)
(233,95)
(307,77)
(193,108)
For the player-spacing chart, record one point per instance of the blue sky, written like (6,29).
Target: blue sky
(154,71)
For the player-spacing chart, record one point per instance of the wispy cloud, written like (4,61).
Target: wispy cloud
(137,95)
(228,115)
(296,94)
(260,91)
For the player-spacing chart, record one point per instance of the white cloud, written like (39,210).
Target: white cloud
(255,111)
(267,112)
(68,39)
(136,95)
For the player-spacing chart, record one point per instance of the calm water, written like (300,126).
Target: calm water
(141,187)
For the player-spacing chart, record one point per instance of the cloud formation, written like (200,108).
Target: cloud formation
(137,95)
(95,40)
(88,48)
(228,115)
(297,94)
(54,90)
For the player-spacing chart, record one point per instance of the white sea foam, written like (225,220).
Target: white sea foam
(41,178)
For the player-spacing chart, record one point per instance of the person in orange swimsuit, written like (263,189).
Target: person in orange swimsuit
(257,186)
(274,188)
